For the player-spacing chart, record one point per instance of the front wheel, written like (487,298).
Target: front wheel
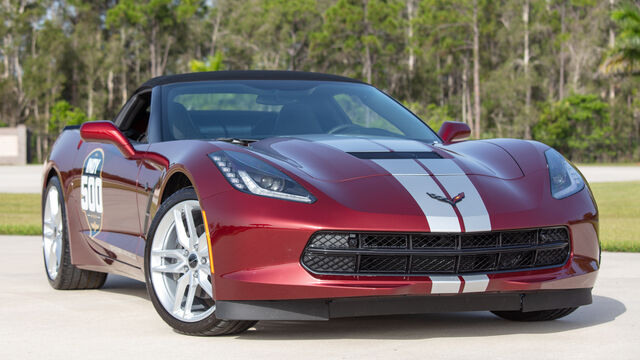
(178,272)
(542,315)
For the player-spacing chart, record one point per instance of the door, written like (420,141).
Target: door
(109,189)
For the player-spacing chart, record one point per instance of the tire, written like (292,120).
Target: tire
(542,315)
(177,265)
(61,273)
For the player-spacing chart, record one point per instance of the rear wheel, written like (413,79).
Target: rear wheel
(542,315)
(61,273)
(177,269)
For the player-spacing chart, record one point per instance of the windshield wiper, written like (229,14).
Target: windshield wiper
(237,141)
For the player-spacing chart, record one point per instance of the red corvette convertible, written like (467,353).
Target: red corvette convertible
(260,195)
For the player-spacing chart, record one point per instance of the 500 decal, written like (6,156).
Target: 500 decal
(91,190)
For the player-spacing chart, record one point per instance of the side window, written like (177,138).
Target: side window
(362,115)
(135,123)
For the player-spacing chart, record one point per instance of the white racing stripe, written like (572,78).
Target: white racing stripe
(445,284)
(475,283)
(440,216)
(474,213)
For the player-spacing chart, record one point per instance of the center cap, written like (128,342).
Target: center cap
(193,261)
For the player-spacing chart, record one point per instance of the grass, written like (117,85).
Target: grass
(619,205)
(20,214)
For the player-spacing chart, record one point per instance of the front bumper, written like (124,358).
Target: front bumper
(257,243)
(325,309)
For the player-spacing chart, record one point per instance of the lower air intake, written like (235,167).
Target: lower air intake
(355,253)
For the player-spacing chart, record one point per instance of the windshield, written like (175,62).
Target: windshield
(258,109)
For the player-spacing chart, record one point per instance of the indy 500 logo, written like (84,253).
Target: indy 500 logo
(91,190)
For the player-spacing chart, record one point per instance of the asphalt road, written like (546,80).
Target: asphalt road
(26,179)
(119,322)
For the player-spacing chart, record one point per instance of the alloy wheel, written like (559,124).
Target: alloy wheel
(52,233)
(179,263)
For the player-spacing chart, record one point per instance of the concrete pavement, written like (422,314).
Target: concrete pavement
(595,174)
(119,322)
(20,179)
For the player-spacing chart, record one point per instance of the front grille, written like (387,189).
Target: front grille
(357,253)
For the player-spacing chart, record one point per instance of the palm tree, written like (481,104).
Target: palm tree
(625,55)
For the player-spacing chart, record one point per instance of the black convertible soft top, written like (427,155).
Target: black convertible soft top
(243,75)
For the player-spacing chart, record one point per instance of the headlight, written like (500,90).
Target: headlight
(565,179)
(248,174)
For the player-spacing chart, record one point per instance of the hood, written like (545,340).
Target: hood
(338,158)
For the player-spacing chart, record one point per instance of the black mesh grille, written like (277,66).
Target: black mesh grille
(516,260)
(479,240)
(433,264)
(393,241)
(518,238)
(475,263)
(378,264)
(553,235)
(345,253)
(552,256)
(434,241)
(331,263)
(332,241)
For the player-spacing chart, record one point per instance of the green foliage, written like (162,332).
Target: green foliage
(625,56)
(213,63)
(577,126)
(432,114)
(94,54)
(64,114)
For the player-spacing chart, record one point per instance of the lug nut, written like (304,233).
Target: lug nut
(185,268)
(203,261)
(195,274)
(195,247)
(185,253)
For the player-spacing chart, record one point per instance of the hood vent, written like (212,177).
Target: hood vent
(396,155)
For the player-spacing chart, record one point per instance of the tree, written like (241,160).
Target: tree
(625,55)
(578,127)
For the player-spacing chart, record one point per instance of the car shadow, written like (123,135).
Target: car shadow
(425,326)
(122,285)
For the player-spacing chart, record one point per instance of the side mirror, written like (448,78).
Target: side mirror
(452,131)
(107,133)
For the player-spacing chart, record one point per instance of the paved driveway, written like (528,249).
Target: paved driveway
(26,179)
(119,322)
(20,179)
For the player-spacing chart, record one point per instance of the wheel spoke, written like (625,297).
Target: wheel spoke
(180,231)
(193,238)
(203,246)
(177,268)
(58,245)
(53,202)
(51,258)
(203,280)
(181,286)
(171,254)
(48,228)
(190,297)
